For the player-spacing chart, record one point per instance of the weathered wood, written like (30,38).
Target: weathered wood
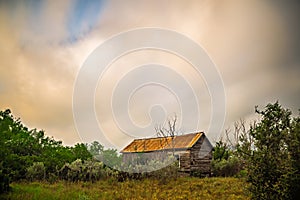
(195,159)
(185,161)
(201,157)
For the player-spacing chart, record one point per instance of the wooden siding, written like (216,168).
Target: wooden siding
(185,162)
(201,156)
(195,158)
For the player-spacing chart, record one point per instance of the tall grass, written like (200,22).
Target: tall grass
(182,188)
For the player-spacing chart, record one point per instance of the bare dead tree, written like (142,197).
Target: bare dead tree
(161,135)
(168,131)
(233,137)
(239,134)
(246,140)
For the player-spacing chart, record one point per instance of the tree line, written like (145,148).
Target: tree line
(30,154)
(266,155)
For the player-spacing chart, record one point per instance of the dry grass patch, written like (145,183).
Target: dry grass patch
(182,188)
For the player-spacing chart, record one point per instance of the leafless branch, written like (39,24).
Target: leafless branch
(169,131)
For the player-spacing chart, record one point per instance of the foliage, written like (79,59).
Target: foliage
(268,154)
(221,151)
(109,156)
(81,151)
(23,152)
(181,188)
(225,162)
(36,172)
(95,148)
(4,180)
(273,162)
(226,167)
(89,170)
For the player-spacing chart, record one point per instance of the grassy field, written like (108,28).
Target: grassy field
(182,188)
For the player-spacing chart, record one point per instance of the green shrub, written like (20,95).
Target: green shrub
(4,180)
(242,174)
(36,172)
(273,162)
(89,170)
(229,167)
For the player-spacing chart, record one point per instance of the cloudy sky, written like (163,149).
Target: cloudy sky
(254,45)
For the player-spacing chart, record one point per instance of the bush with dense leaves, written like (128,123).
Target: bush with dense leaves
(225,162)
(23,150)
(4,180)
(226,167)
(89,170)
(36,172)
(273,162)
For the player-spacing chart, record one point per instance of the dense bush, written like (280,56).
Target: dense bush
(4,180)
(226,167)
(30,154)
(89,170)
(36,172)
(109,156)
(225,161)
(221,151)
(273,162)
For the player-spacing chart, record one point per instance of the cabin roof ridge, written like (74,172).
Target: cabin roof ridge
(183,141)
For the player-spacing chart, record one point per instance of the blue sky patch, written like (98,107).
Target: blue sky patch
(83,18)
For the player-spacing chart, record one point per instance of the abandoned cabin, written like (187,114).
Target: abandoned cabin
(193,151)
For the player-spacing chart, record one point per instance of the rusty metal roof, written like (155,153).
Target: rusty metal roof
(160,143)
